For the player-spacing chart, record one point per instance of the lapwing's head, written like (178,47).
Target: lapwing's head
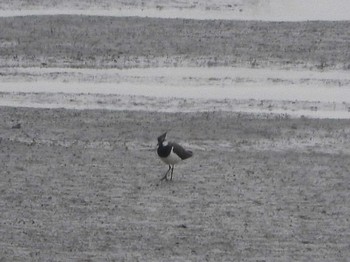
(161,138)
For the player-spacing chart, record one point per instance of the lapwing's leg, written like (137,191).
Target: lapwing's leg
(166,174)
(172,170)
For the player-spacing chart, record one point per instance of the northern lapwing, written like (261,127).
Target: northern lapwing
(171,153)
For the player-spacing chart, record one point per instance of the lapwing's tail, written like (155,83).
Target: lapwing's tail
(188,154)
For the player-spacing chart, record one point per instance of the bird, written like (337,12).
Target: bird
(171,153)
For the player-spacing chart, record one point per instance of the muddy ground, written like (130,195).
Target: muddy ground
(84,186)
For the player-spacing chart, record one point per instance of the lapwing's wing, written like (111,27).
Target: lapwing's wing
(181,152)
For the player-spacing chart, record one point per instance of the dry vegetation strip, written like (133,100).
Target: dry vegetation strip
(83,40)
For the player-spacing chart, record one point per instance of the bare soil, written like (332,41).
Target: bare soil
(84,186)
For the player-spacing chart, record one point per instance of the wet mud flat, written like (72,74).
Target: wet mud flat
(80,185)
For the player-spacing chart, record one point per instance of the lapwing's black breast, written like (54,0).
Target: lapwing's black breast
(164,151)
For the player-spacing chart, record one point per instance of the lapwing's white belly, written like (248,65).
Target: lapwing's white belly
(172,159)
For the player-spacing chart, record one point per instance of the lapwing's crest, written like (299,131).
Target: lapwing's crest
(171,153)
